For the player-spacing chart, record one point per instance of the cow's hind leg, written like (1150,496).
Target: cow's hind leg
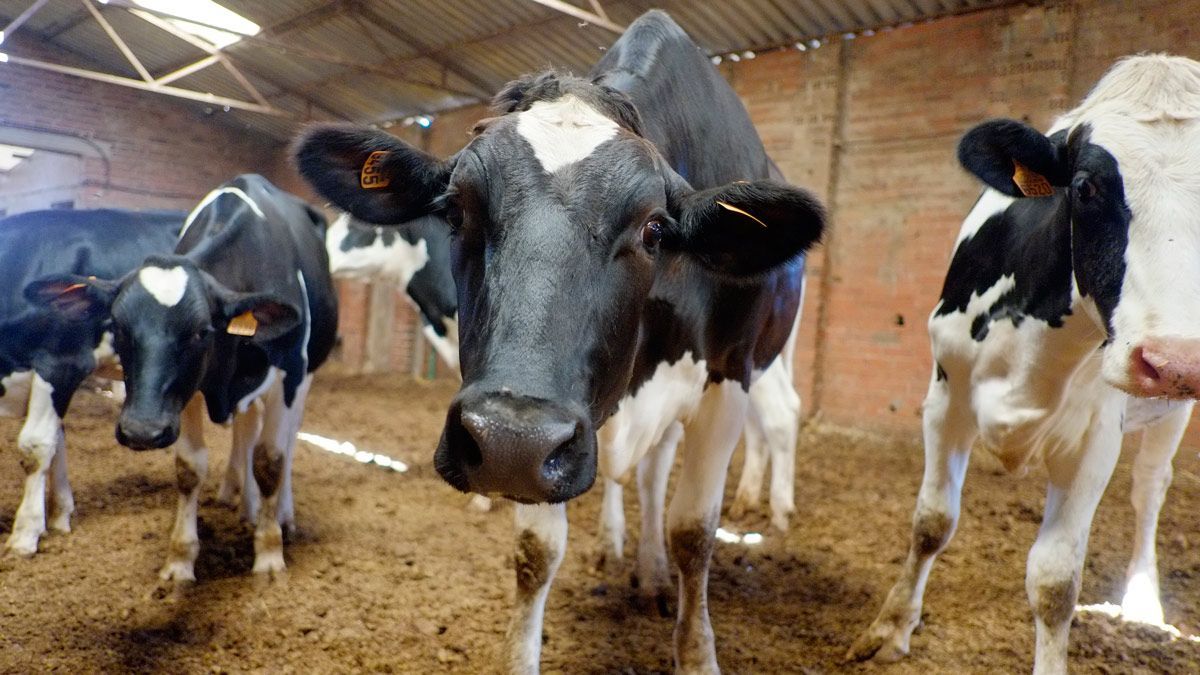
(541,541)
(62,500)
(237,485)
(1151,478)
(191,466)
(949,432)
(1055,567)
(40,440)
(610,540)
(653,575)
(754,467)
(692,519)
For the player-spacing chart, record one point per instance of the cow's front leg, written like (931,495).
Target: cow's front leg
(653,573)
(541,541)
(238,486)
(272,462)
(41,438)
(694,512)
(191,466)
(949,432)
(1055,568)
(1151,478)
(62,500)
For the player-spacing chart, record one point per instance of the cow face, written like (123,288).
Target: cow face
(562,216)
(1132,187)
(170,319)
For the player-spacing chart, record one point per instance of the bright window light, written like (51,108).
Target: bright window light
(233,26)
(12,155)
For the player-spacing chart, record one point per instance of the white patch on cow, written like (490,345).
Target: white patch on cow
(672,393)
(211,197)
(40,440)
(543,526)
(15,401)
(396,262)
(307,313)
(989,204)
(564,131)
(167,285)
(446,345)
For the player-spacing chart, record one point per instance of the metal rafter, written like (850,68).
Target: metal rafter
(595,18)
(112,35)
(21,19)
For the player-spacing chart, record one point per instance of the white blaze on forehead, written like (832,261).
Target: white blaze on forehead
(565,131)
(165,284)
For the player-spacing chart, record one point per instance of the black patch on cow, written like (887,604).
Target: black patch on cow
(1100,223)
(941,373)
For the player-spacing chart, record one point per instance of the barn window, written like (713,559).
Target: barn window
(11,156)
(203,18)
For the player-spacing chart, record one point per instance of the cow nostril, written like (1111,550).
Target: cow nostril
(556,467)
(466,436)
(1143,368)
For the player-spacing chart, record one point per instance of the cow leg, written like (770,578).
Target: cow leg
(238,485)
(1055,567)
(948,436)
(191,466)
(778,407)
(754,467)
(1151,478)
(62,500)
(541,542)
(610,540)
(41,438)
(271,463)
(479,504)
(693,516)
(653,574)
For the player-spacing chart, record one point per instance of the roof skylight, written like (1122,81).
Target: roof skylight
(204,19)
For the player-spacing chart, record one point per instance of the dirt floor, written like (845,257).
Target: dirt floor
(389,572)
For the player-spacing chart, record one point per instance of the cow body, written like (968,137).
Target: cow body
(231,326)
(623,263)
(44,358)
(1044,337)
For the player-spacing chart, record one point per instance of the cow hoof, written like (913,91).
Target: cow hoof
(61,522)
(269,564)
(21,547)
(877,645)
(780,521)
(740,508)
(178,572)
(479,504)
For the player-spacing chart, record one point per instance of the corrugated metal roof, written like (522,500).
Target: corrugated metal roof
(379,60)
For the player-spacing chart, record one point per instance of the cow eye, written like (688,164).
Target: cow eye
(201,334)
(1085,188)
(652,233)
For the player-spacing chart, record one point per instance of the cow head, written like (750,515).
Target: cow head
(562,215)
(169,317)
(1127,165)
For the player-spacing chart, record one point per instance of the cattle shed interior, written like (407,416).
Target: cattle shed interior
(151,104)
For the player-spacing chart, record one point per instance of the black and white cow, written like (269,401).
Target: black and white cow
(415,256)
(233,323)
(624,262)
(1067,319)
(43,357)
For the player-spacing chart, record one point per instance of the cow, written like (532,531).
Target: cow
(1066,320)
(626,261)
(43,358)
(415,256)
(232,324)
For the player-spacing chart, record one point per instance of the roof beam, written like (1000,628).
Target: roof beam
(590,17)
(423,48)
(146,86)
(112,34)
(183,72)
(21,19)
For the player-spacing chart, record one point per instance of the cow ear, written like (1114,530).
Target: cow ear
(75,297)
(1014,158)
(369,173)
(745,228)
(261,317)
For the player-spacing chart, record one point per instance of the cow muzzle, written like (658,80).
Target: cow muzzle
(1166,367)
(146,434)
(527,449)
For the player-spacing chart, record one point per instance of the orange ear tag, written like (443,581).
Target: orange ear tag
(370,178)
(731,207)
(1031,184)
(243,324)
